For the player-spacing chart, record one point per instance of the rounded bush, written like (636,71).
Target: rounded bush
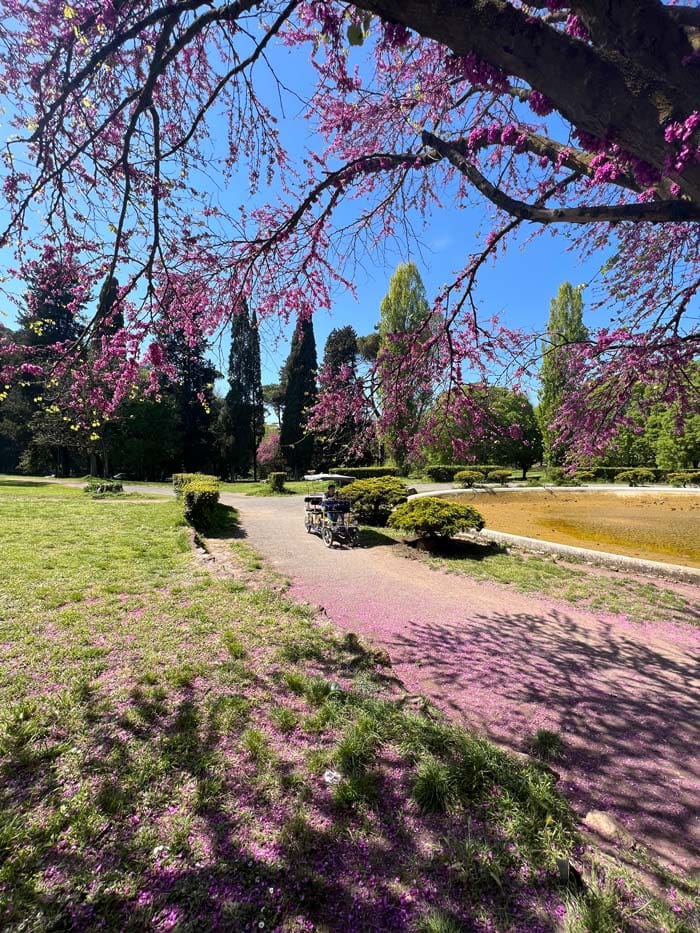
(636,477)
(467,478)
(499,476)
(373,499)
(430,517)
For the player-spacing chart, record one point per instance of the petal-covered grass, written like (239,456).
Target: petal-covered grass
(184,750)
(638,599)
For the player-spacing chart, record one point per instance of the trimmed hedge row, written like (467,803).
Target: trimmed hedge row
(445,472)
(182,479)
(371,472)
(684,479)
(200,497)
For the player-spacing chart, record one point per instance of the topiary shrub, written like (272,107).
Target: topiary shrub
(584,476)
(200,497)
(276,481)
(499,476)
(182,479)
(678,479)
(694,478)
(373,499)
(430,517)
(636,477)
(467,478)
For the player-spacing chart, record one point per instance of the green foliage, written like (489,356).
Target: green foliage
(684,479)
(432,786)
(242,417)
(365,472)
(374,499)
(467,478)
(102,487)
(584,476)
(564,328)
(546,745)
(637,477)
(357,749)
(298,377)
(200,497)
(403,311)
(430,517)
(276,481)
(499,476)
(558,476)
(180,480)
(447,472)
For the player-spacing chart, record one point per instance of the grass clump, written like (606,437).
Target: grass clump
(432,786)
(546,745)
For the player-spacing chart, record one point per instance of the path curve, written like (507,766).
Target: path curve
(625,697)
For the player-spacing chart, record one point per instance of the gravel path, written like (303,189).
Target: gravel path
(624,697)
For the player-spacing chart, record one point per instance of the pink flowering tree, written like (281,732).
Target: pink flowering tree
(574,113)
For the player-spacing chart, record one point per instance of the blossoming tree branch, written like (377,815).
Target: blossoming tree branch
(129,119)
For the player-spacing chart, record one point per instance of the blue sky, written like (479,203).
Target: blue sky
(518,286)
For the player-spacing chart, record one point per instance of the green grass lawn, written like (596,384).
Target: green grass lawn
(182,750)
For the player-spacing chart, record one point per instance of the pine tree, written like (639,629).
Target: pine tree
(243,413)
(298,377)
(565,327)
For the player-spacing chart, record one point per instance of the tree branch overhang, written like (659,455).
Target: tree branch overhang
(649,212)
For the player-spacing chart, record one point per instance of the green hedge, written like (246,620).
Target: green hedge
(430,517)
(684,478)
(636,477)
(101,487)
(499,476)
(276,481)
(446,472)
(182,479)
(373,499)
(200,497)
(370,472)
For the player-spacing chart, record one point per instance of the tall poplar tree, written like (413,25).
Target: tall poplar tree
(298,377)
(565,327)
(403,312)
(243,413)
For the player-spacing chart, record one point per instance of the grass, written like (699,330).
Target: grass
(158,771)
(638,600)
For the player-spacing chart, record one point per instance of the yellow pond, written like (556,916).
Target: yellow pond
(650,525)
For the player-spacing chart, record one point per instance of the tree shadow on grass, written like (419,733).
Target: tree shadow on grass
(178,832)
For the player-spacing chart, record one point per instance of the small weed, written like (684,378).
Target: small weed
(432,787)
(296,682)
(358,748)
(285,719)
(356,790)
(546,745)
(233,644)
(317,690)
(257,745)
(438,921)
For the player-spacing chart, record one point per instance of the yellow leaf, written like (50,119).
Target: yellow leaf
(68,12)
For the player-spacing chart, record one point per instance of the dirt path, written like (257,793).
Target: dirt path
(624,697)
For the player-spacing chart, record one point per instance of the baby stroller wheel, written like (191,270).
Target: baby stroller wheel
(328,537)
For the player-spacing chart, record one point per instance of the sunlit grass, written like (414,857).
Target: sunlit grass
(165,736)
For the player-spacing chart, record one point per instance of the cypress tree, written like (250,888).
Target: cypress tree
(299,379)
(565,327)
(244,412)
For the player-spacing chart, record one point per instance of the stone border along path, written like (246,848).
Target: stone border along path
(625,697)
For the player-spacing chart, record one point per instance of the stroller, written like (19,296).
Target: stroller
(332,519)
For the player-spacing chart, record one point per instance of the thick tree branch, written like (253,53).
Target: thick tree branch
(605,93)
(650,212)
